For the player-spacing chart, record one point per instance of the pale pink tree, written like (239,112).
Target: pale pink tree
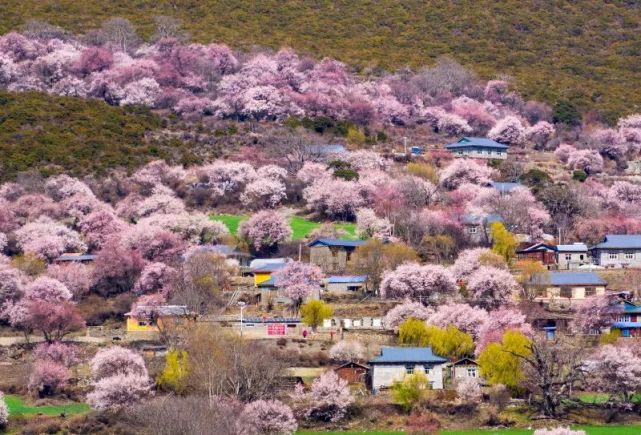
(365,160)
(158,203)
(63,186)
(299,281)
(93,59)
(143,92)
(490,287)
(499,321)
(58,352)
(416,191)
(470,260)
(48,289)
(540,133)
(347,350)
(495,90)
(152,242)
(119,391)
(156,277)
(4,412)
(28,208)
(462,171)
(117,360)
(589,161)
(615,370)
(312,171)
(334,198)
(428,284)
(116,268)
(563,152)
(404,311)
(98,226)
(474,112)
(77,277)
(47,378)
(269,417)
(369,225)
(48,239)
(631,121)
(452,125)
(509,131)
(463,316)
(263,192)
(329,398)
(468,391)
(592,315)
(265,230)
(193,228)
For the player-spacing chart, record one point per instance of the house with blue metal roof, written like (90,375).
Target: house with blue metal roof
(618,250)
(478,148)
(346,284)
(626,318)
(394,363)
(568,287)
(505,187)
(333,255)
(572,256)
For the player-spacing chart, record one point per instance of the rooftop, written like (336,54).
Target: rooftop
(346,279)
(267,264)
(575,278)
(407,355)
(70,256)
(574,247)
(620,241)
(470,142)
(344,243)
(504,187)
(164,310)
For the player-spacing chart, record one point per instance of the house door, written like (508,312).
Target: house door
(625,333)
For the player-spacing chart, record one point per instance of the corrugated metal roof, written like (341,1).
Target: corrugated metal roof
(326,148)
(345,243)
(502,186)
(575,278)
(483,142)
(407,355)
(477,220)
(346,279)
(164,310)
(76,257)
(620,241)
(537,247)
(574,247)
(626,325)
(271,320)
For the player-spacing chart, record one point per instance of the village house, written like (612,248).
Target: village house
(346,284)
(478,148)
(396,362)
(353,372)
(626,318)
(477,227)
(618,250)
(230,252)
(463,369)
(75,257)
(333,255)
(505,187)
(160,317)
(568,287)
(542,252)
(262,270)
(572,256)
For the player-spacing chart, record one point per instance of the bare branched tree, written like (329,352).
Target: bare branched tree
(168,27)
(121,34)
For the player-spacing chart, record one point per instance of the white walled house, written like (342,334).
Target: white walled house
(478,148)
(569,287)
(572,256)
(395,362)
(618,250)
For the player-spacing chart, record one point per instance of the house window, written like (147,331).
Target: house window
(629,256)
(581,257)
(471,372)
(409,369)
(613,256)
(142,323)
(623,318)
(566,292)
(427,369)
(568,257)
(541,293)
(590,291)
(472,230)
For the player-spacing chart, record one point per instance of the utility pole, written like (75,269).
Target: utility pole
(404,145)
(300,252)
(241,304)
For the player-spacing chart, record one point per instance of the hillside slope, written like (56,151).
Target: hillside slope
(586,51)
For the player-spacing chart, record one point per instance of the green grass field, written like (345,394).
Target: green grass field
(18,407)
(590,430)
(301,227)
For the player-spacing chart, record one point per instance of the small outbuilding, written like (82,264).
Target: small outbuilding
(352,372)
(346,284)
(463,369)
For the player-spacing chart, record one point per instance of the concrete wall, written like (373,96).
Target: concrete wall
(578,293)
(461,372)
(621,258)
(385,375)
(331,260)
(481,154)
(574,261)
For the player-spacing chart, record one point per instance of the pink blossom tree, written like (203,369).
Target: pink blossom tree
(76,276)
(369,225)
(468,391)
(4,412)
(48,239)
(563,152)
(592,315)
(495,90)
(299,281)
(156,277)
(509,131)
(152,242)
(265,230)
(93,59)
(119,391)
(346,351)
(333,198)
(98,226)
(312,171)
(117,360)
(429,284)
(404,311)
(329,398)
(48,377)
(263,192)
(491,288)
(269,417)
(540,134)
(470,260)
(462,171)
(194,228)
(589,161)
(58,352)
(452,125)
(499,321)
(466,318)
(116,268)
(615,370)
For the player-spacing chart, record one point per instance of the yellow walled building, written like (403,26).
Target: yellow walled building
(158,318)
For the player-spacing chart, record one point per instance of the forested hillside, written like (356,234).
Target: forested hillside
(584,51)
